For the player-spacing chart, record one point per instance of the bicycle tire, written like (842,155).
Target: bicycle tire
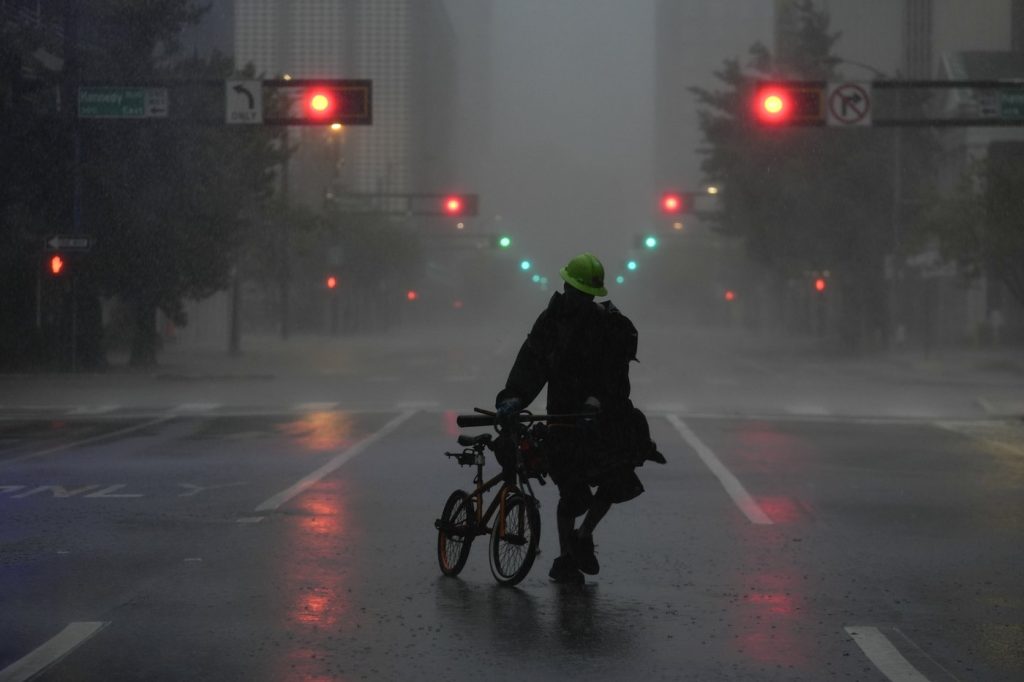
(452,546)
(512,555)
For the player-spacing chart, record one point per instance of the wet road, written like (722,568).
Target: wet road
(239,536)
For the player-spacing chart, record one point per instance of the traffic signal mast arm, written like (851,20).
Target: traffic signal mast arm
(782,103)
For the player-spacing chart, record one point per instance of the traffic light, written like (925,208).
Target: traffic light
(411,295)
(672,203)
(730,295)
(455,205)
(820,285)
(793,103)
(525,265)
(332,282)
(321,104)
(650,242)
(57,265)
(504,241)
(631,265)
(326,102)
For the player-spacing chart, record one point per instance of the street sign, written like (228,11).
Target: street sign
(848,104)
(1011,104)
(244,102)
(122,102)
(61,242)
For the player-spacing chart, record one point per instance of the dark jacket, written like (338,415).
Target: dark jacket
(578,354)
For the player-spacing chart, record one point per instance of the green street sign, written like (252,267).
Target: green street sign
(122,102)
(1011,104)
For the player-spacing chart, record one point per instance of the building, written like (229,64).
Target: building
(406,47)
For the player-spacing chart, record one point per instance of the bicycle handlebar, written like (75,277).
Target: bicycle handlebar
(487,418)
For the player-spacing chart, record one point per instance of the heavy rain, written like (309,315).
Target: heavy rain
(519,339)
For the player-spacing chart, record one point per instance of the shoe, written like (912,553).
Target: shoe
(564,570)
(583,553)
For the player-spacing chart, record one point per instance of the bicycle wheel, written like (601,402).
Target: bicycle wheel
(455,532)
(513,552)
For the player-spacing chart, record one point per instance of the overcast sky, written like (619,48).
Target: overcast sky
(572,120)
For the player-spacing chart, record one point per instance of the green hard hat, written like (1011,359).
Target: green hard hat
(585,273)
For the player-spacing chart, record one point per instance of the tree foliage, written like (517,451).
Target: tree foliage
(804,199)
(976,224)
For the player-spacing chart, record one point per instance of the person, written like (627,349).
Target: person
(582,349)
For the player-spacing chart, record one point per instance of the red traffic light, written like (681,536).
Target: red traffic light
(730,295)
(56,264)
(320,104)
(332,282)
(453,205)
(457,205)
(773,105)
(672,203)
(820,284)
(793,103)
(411,295)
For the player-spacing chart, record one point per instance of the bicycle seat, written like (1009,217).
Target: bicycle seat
(466,441)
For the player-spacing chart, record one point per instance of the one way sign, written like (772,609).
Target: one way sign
(244,101)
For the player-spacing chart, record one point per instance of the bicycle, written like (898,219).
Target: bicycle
(515,535)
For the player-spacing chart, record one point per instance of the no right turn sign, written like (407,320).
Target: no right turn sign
(848,104)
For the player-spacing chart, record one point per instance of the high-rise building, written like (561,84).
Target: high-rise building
(406,47)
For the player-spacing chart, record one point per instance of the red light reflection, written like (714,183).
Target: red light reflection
(320,431)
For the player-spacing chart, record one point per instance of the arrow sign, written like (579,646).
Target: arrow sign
(243,101)
(59,242)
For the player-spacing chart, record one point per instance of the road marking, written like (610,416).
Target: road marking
(316,407)
(197,407)
(111,489)
(49,653)
(807,410)
(88,441)
(277,500)
(877,647)
(416,405)
(731,484)
(94,409)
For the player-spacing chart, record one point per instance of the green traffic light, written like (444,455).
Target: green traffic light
(505,242)
(631,265)
(651,242)
(524,265)
(536,278)
(620,279)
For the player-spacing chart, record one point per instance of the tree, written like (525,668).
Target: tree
(804,199)
(977,223)
(165,202)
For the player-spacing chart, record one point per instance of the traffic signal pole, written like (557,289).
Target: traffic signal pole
(72,77)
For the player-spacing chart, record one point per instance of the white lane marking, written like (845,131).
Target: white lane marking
(883,654)
(807,410)
(94,409)
(669,408)
(110,491)
(52,651)
(88,441)
(731,484)
(197,407)
(345,455)
(416,405)
(316,407)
